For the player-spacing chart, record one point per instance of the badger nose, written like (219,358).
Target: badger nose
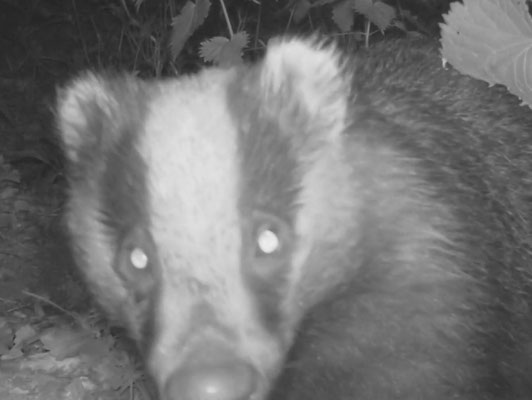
(222,380)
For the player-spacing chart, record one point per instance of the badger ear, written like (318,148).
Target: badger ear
(306,80)
(77,104)
(87,109)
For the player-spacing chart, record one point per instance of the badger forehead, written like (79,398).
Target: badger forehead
(210,161)
(190,151)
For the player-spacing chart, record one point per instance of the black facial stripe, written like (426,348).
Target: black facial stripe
(267,160)
(124,195)
(269,183)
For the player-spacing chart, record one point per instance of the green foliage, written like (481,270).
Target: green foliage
(491,40)
(357,19)
(167,37)
(183,26)
(223,51)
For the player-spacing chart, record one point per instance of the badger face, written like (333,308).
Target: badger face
(206,211)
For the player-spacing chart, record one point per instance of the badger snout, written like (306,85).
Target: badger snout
(212,374)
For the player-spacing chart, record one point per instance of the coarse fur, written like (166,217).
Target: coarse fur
(399,196)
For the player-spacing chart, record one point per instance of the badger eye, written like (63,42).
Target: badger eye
(136,255)
(136,263)
(138,258)
(268,241)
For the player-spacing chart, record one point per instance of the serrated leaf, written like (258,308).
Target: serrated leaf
(185,24)
(319,3)
(301,10)
(210,49)
(202,11)
(377,12)
(491,40)
(342,15)
(518,13)
(223,51)
(181,29)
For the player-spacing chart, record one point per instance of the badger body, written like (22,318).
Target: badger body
(314,226)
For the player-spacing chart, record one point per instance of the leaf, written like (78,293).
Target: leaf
(6,336)
(210,49)
(377,12)
(301,10)
(319,3)
(202,11)
(223,51)
(8,173)
(64,342)
(25,334)
(185,24)
(342,15)
(491,40)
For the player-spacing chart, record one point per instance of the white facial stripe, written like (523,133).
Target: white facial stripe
(190,148)
(322,219)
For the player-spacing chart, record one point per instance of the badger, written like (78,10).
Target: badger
(319,225)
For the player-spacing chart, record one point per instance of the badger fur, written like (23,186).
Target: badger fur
(316,226)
